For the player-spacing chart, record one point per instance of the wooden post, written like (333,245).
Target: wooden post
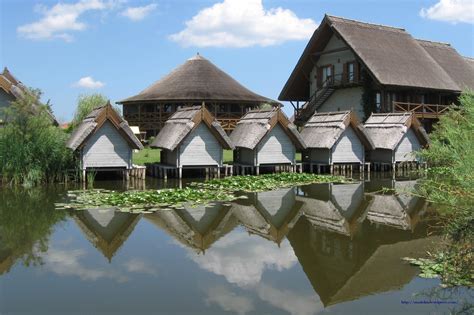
(257,170)
(180,172)
(218,172)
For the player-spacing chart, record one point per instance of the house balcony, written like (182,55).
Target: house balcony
(422,111)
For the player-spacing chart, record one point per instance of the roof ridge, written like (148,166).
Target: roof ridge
(432,42)
(366,24)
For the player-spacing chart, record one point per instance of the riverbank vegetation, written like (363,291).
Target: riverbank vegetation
(32,149)
(450,184)
(196,193)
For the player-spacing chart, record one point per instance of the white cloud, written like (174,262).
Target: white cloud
(137,265)
(62,19)
(450,11)
(139,13)
(88,83)
(229,301)
(294,303)
(243,23)
(242,259)
(67,263)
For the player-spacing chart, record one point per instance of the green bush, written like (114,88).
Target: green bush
(32,149)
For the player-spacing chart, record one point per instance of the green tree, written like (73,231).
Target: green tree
(85,104)
(32,149)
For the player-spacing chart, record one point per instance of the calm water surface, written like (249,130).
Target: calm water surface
(306,250)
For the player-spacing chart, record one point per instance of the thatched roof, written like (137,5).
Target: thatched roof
(17,90)
(197,80)
(185,120)
(453,63)
(323,130)
(387,130)
(391,55)
(252,128)
(95,120)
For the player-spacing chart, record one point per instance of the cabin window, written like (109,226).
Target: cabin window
(378,102)
(223,108)
(168,108)
(351,72)
(327,74)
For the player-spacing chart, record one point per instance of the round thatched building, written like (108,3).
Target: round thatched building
(195,82)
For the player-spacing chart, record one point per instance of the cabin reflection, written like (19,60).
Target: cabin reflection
(195,227)
(270,214)
(401,210)
(342,268)
(338,208)
(106,229)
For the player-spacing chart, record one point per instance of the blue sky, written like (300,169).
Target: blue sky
(117,47)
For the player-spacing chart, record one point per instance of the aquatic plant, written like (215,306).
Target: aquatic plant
(142,201)
(267,181)
(196,193)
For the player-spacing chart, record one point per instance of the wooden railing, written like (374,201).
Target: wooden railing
(431,111)
(228,124)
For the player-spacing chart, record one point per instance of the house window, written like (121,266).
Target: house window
(327,74)
(378,102)
(351,72)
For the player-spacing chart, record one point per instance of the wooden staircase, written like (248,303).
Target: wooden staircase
(316,101)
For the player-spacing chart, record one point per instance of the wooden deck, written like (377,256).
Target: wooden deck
(423,111)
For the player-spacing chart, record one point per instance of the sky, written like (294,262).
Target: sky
(119,47)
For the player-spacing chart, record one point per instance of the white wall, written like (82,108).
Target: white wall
(337,59)
(406,147)
(345,99)
(276,147)
(107,148)
(200,147)
(348,149)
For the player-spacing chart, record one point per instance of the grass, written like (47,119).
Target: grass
(149,155)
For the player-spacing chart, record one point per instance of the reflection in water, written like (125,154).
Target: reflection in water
(268,214)
(26,222)
(336,208)
(106,229)
(347,240)
(195,227)
(401,210)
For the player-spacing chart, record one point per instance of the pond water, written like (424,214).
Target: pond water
(322,248)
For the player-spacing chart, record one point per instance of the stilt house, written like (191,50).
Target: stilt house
(195,82)
(396,137)
(266,137)
(104,141)
(192,138)
(335,137)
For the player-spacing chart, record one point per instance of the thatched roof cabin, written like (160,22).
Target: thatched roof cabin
(192,137)
(266,137)
(335,137)
(396,136)
(196,81)
(12,89)
(344,57)
(104,140)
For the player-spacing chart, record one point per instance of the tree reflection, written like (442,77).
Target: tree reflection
(26,221)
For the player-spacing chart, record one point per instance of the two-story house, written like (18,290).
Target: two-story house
(352,65)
